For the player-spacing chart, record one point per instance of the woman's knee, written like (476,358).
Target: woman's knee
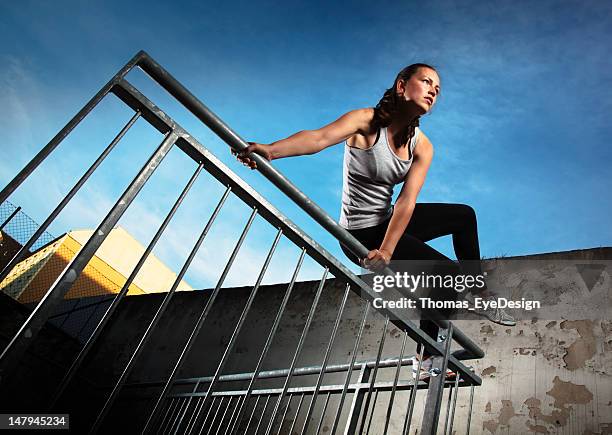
(467,212)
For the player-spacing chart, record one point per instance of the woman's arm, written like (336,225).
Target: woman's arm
(312,141)
(404,206)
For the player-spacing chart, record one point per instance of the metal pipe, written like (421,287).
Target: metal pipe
(271,334)
(397,374)
(371,412)
(448,409)
(439,365)
(413,390)
(195,413)
(467,431)
(452,418)
(76,364)
(350,371)
(323,413)
(208,412)
(15,350)
(298,351)
(229,403)
(297,413)
(158,315)
(176,419)
(232,421)
(330,344)
(43,227)
(171,413)
(212,422)
(202,318)
(163,420)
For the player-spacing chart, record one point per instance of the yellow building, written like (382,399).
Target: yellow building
(106,273)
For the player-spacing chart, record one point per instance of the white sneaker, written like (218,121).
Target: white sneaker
(495,315)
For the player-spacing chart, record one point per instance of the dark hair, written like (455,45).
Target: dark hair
(388,104)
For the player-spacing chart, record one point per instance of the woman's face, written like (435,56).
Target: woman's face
(422,89)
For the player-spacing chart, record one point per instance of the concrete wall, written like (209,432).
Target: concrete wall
(541,376)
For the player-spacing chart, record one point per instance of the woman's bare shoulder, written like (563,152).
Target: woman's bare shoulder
(366,134)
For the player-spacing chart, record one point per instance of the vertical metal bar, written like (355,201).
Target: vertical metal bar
(452,418)
(448,408)
(247,307)
(194,415)
(76,364)
(271,335)
(212,422)
(176,418)
(373,380)
(195,389)
(229,403)
(350,369)
(397,374)
(371,412)
(467,431)
(170,414)
(158,315)
(323,413)
(413,391)
(202,318)
(15,350)
(354,413)
(8,219)
(431,414)
(163,420)
(330,344)
(297,413)
(280,426)
(57,139)
(263,414)
(43,227)
(298,351)
(212,404)
(246,430)
(230,424)
(236,419)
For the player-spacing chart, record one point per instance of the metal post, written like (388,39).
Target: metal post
(357,404)
(229,403)
(212,422)
(280,426)
(452,418)
(157,316)
(349,371)
(117,299)
(263,414)
(413,391)
(246,430)
(467,431)
(326,359)
(14,351)
(229,423)
(195,389)
(297,413)
(397,374)
(323,413)
(371,412)
(431,413)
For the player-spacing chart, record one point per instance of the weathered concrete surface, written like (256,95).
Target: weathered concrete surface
(547,375)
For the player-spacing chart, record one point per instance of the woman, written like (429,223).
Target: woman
(385,147)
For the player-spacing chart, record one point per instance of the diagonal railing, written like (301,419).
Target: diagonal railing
(204,411)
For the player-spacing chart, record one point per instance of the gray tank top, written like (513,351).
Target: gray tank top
(368,179)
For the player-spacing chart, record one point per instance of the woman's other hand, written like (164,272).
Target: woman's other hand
(257,148)
(376,260)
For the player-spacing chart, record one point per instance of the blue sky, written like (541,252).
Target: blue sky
(521,131)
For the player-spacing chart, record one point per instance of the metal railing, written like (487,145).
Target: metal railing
(208,400)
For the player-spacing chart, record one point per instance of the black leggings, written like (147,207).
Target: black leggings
(430,221)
